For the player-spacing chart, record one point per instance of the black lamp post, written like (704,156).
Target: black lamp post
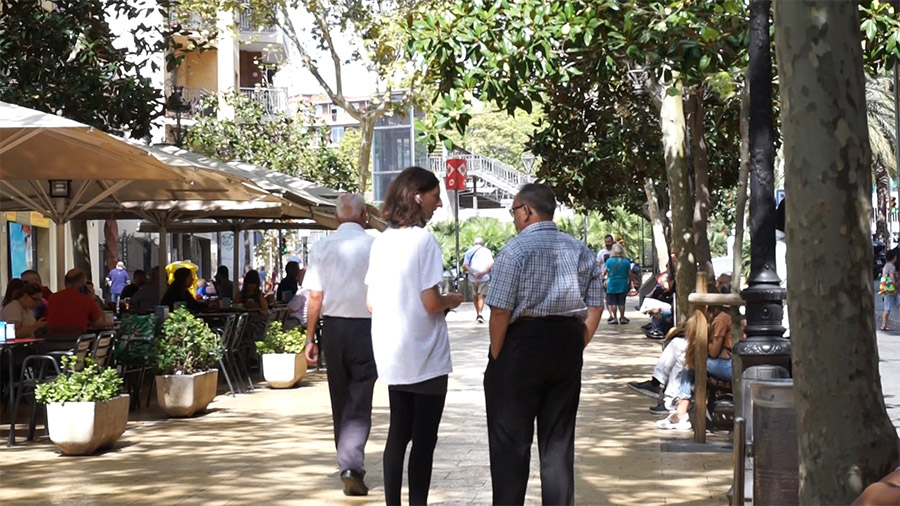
(176,104)
(763,297)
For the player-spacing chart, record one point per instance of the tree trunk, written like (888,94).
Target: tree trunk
(672,122)
(656,224)
(737,253)
(701,186)
(111,249)
(846,446)
(882,185)
(80,246)
(366,133)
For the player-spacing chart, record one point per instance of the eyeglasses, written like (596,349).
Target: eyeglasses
(512,210)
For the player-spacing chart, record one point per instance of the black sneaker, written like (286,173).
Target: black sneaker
(479,319)
(612,319)
(647,327)
(655,334)
(647,388)
(659,409)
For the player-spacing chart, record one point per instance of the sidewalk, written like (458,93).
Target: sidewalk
(276,447)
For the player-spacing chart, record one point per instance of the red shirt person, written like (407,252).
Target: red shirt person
(72,308)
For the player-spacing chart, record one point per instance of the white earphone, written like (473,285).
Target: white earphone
(418,199)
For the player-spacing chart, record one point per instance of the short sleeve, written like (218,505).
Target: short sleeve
(593,291)
(721,327)
(503,291)
(431,262)
(312,280)
(12,313)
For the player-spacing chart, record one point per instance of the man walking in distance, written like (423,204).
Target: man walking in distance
(478,262)
(545,302)
(337,270)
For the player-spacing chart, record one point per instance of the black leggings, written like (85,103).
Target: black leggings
(413,417)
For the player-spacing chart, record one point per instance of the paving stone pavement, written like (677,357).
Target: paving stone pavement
(276,446)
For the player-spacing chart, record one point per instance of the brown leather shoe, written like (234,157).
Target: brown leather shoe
(353,482)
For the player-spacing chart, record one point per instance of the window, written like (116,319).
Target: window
(337,133)
(334,114)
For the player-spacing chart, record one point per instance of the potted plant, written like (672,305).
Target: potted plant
(186,355)
(85,411)
(283,361)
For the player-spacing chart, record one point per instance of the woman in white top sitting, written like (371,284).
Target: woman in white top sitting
(409,332)
(19,310)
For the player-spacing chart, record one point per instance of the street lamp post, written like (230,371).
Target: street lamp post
(176,104)
(763,297)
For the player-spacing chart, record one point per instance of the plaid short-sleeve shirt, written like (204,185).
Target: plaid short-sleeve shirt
(545,272)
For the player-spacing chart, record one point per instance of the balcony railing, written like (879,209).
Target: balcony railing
(272,100)
(248,26)
(190,20)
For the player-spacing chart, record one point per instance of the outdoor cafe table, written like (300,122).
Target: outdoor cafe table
(8,346)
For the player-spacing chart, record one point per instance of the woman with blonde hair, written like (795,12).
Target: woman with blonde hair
(617,270)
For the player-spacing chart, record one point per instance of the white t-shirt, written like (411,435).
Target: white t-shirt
(411,345)
(337,266)
(479,259)
(15,312)
(602,256)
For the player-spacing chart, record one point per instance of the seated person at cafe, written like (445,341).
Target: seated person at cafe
(291,282)
(147,296)
(138,280)
(93,293)
(251,297)
(18,308)
(224,287)
(32,276)
(179,291)
(73,306)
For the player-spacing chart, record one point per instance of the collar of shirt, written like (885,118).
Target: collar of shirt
(350,226)
(539,226)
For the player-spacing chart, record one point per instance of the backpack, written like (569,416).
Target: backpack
(887,285)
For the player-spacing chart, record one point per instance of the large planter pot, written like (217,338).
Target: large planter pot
(82,428)
(283,370)
(182,395)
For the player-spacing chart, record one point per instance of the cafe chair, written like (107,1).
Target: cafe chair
(36,369)
(102,350)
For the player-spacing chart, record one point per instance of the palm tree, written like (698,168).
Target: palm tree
(882,139)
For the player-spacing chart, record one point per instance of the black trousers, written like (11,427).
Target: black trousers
(537,376)
(414,417)
(351,379)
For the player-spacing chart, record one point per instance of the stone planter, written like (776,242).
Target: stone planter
(283,370)
(182,395)
(82,428)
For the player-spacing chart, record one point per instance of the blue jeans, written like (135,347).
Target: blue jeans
(719,368)
(663,323)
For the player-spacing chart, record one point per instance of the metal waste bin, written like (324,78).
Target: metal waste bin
(776,477)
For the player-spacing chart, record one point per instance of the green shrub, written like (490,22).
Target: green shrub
(88,385)
(187,345)
(280,341)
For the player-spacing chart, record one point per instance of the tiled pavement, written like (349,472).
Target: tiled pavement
(276,447)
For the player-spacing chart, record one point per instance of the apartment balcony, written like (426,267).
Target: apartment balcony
(191,21)
(272,100)
(267,39)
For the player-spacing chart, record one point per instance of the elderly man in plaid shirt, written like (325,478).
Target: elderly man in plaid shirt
(546,302)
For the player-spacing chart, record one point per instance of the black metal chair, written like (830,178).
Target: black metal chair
(102,350)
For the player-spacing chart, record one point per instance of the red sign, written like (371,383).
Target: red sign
(457,170)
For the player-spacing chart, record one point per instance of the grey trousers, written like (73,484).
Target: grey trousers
(347,345)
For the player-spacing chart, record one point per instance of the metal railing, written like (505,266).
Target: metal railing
(247,25)
(190,20)
(272,100)
(501,180)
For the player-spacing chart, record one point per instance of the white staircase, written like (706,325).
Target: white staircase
(492,179)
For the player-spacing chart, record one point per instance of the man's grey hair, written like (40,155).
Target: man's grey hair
(539,198)
(350,206)
(479,241)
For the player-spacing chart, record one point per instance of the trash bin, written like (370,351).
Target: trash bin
(776,477)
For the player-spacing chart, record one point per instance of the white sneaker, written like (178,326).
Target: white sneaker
(672,422)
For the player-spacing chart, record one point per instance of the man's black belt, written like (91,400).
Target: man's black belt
(326,317)
(557,318)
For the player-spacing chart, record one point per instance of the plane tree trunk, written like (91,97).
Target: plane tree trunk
(847,444)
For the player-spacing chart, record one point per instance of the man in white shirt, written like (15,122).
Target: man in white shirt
(478,262)
(337,292)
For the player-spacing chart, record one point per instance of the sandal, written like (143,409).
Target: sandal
(886,329)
